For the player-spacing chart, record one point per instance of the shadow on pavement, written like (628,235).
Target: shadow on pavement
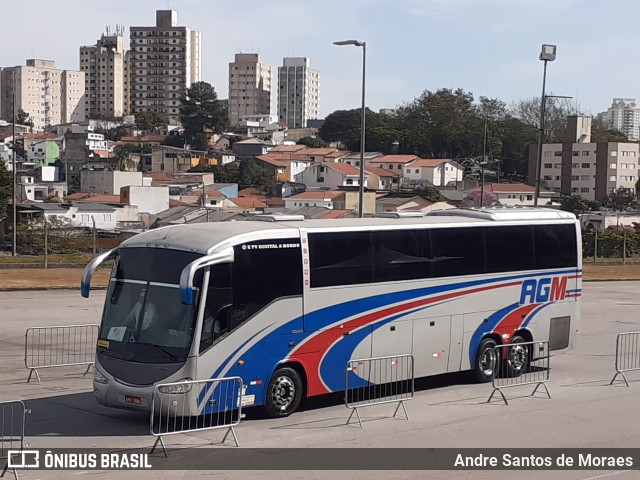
(79,415)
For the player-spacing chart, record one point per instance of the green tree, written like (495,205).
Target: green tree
(122,160)
(576,204)
(620,200)
(555,120)
(312,142)
(430,193)
(343,126)
(6,179)
(149,121)
(23,118)
(441,124)
(201,109)
(229,173)
(250,173)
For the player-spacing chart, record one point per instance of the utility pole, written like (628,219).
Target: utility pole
(484,160)
(46,242)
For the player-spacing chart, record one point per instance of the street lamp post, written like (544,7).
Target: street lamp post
(14,227)
(548,54)
(358,43)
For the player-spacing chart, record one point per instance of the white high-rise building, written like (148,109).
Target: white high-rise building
(49,96)
(624,115)
(164,61)
(251,87)
(298,93)
(104,68)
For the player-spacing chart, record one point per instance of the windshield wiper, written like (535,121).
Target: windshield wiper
(162,349)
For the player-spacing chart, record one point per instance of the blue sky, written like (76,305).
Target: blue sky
(488,47)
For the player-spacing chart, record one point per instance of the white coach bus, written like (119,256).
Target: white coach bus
(284,304)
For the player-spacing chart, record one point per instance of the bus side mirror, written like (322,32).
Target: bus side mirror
(85,285)
(188,273)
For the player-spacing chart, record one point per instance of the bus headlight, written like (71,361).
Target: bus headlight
(99,377)
(177,389)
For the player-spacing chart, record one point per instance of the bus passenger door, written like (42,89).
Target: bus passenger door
(431,345)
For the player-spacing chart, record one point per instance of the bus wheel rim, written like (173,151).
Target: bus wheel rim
(283,392)
(488,361)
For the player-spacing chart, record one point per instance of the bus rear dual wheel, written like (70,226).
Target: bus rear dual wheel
(515,364)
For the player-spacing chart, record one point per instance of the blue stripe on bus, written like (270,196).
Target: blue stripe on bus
(270,348)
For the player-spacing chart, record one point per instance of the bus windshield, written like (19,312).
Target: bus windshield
(144,320)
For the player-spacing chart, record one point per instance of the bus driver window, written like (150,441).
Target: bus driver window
(217,311)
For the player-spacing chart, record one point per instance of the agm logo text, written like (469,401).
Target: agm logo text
(544,290)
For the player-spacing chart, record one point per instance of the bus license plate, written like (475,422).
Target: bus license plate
(132,399)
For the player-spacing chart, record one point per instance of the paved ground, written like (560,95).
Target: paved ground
(448,411)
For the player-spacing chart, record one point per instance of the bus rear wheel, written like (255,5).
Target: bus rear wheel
(517,361)
(284,393)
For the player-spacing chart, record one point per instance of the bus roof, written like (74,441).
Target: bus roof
(201,237)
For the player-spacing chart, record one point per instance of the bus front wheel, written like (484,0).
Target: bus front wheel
(486,360)
(284,393)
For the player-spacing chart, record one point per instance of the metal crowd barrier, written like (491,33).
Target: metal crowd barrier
(375,381)
(12,420)
(627,354)
(218,401)
(517,364)
(60,346)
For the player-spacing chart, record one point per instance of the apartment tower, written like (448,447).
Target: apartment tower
(104,67)
(250,87)
(582,167)
(49,96)
(164,61)
(298,93)
(624,115)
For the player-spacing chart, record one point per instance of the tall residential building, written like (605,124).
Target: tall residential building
(581,167)
(49,96)
(104,68)
(251,87)
(624,115)
(299,92)
(164,61)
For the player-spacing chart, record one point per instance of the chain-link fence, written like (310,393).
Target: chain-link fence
(611,246)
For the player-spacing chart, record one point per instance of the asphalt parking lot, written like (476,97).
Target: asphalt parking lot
(447,411)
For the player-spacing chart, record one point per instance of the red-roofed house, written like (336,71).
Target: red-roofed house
(319,154)
(288,149)
(100,198)
(330,175)
(382,179)
(393,163)
(316,198)
(145,140)
(439,172)
(276,167)
(247,204)
(294,164)
(512,194)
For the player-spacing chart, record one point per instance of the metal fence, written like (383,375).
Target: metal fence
(374,381)
(218,402)
(12,421)
(517,364)
(60,346)
(627,354)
